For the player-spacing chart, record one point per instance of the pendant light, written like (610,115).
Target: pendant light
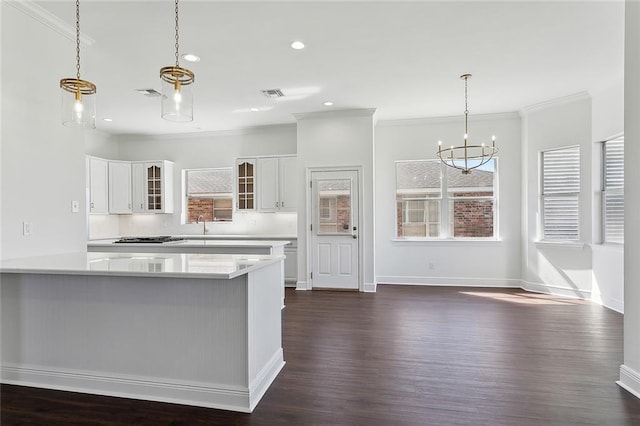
(177,98)
(467,157)
(78,102)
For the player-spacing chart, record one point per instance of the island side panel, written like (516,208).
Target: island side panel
(264,329)
(165,339)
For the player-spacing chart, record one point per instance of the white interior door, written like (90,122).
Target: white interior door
(334,229)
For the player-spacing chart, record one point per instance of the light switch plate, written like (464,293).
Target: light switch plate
(75,206)
(26,228)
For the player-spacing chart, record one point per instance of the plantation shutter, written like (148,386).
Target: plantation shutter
(560,194)
(613,197)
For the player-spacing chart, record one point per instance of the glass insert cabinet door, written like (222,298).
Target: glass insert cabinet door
(246,185)
(154,188)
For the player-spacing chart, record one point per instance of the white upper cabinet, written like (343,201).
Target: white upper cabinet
(138,185)
(276,184)
(98,185)
(152,187)
(120,187)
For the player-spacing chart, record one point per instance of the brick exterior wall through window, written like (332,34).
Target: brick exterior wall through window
(472,218)
(200,206)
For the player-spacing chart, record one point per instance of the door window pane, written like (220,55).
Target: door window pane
(334,206)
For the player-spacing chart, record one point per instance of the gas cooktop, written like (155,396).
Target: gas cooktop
(151,240)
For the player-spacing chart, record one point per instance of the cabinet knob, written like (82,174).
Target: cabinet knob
(129,206)
(91,204)
(277,204)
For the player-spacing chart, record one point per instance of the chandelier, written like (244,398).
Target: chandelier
(467,157)
(177,99)
(78,106)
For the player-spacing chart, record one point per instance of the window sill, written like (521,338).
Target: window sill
(559,244)
(446,240)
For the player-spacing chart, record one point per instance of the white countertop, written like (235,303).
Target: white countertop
(194,243)
(170,265)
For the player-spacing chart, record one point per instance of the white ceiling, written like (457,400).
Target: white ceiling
(402,58)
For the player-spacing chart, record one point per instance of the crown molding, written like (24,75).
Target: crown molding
(274,128)
(447,119)
(359,112)
(40,14)
(580,96)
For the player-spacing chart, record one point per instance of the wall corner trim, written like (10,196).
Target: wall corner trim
(629,380)
(359,112)
(42,15)
(554,102)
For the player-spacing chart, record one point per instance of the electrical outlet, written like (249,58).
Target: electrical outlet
(75,206)
(26,228)
(431,265)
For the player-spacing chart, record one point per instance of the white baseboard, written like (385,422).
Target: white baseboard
(608,302)
(258,387)
(302,285)
(202,394)
(556,290)
(445,281)
(629,380)
(369,288)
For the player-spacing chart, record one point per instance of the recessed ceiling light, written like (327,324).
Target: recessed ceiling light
(254,109)
(327,103)
(107,120)
(298,45)
(190,57)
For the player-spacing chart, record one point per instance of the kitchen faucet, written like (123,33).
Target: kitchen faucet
(204,224)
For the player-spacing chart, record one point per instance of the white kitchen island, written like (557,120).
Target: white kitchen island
(192,245)
(196,329)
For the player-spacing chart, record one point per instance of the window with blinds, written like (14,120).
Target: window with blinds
(209,194)
(613,191)
(560,194)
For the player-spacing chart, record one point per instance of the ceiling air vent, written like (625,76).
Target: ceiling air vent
(150,93)
(273,93)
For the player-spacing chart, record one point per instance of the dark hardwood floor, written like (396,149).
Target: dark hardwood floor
(405,356)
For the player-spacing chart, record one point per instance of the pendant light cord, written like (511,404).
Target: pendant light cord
(177,38)
(78,39)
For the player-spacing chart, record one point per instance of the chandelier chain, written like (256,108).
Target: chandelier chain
(177,37)
(466,107)
(78,39)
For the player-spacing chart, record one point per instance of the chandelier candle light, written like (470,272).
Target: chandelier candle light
(467,157)
(177,99)
(79,108)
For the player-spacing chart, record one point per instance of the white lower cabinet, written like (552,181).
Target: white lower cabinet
(291,263)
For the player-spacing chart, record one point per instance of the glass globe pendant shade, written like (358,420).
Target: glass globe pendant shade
(78,103)
(177,94)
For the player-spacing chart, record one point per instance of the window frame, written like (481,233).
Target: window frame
(607,190)
(545,196)
(216,196)
(445,212)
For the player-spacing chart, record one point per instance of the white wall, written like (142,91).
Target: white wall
(189,151)
(473,263)
(329,139)
(42,161)
(630,370)
(557,268)
(608,259)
